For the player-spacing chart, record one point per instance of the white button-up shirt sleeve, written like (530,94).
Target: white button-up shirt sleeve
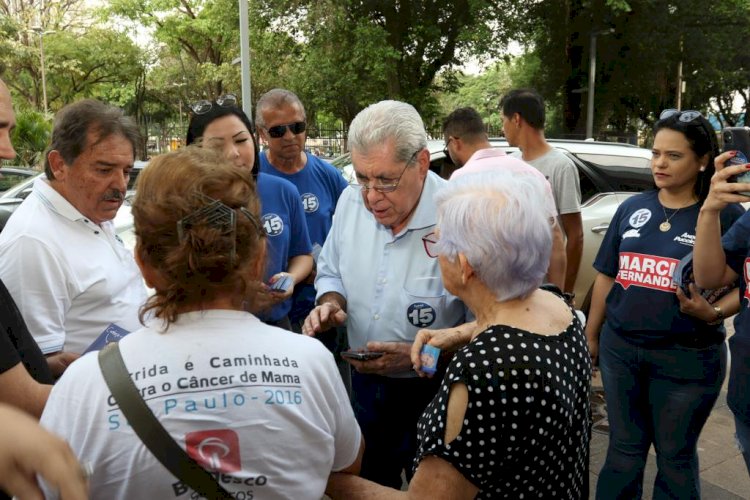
(328,276)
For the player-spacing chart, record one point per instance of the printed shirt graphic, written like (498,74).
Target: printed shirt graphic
(641,258)
(263,408)
(216,450)
(649,271)
(319,185)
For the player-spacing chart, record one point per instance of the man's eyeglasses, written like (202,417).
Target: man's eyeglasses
(279,130)
(204,106)
(386,188)
(684,116)
(430,242)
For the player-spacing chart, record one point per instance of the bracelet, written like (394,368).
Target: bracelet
(719,316)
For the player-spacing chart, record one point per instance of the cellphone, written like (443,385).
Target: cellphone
(738,139)
(361,355)
(282,284)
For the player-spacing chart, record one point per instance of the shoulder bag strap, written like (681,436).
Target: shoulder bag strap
(150,431)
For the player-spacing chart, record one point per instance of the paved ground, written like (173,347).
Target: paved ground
(723,472)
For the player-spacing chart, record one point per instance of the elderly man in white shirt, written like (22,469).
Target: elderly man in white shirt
(60,258)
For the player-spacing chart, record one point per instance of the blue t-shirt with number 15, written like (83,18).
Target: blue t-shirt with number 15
(283,219)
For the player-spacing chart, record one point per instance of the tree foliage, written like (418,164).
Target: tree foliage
(341,55)
(80,59)
(31,137)
(360,51)
(637,64)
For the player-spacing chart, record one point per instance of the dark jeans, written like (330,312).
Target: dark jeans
(742,433)
(661,396)
(387,410)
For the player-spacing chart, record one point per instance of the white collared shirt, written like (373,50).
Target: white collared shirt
(69,276)
(392,287)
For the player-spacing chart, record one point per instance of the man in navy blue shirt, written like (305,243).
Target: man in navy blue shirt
(281,120)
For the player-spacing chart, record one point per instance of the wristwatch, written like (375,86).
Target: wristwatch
(719,316)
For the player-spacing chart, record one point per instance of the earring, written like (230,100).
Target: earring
(703,168)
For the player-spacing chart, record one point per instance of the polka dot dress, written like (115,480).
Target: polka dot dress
(526,429)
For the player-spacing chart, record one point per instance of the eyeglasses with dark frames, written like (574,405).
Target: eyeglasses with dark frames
(204,105)
(279,130)
(386,188)
(430,242)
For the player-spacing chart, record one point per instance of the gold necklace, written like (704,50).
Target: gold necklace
(666,226)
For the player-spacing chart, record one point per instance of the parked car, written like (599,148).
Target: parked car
(608,172)
(13,197)
(11,176)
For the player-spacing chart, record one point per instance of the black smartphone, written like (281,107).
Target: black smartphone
(738,139)
(361,355)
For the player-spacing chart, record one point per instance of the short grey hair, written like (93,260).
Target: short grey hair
(378,123)
(275,98)
(498,221)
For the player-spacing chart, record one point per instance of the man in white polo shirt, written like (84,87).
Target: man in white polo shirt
(64,266)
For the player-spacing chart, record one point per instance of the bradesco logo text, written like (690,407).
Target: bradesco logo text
(648,271)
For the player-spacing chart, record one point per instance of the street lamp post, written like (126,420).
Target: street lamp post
(40,31)
(247,99)
(592,80)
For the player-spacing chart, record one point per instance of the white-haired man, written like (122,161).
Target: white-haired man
(375,275)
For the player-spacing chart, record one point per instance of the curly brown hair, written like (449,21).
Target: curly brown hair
(209,262)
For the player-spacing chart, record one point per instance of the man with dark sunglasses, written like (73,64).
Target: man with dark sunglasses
(281,120)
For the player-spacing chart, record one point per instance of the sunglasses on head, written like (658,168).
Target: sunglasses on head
(279,130)
(684,116)
(204,106)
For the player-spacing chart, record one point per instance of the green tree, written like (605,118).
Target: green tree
(637,64)
(31,137)
(358,51)
(79,59)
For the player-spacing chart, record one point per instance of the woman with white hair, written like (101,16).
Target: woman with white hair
(511,417)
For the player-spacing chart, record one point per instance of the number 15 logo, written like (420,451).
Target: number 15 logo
(421,315)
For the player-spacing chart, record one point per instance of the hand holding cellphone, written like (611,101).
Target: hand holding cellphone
(737,139)
(361,355)
(282,284)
